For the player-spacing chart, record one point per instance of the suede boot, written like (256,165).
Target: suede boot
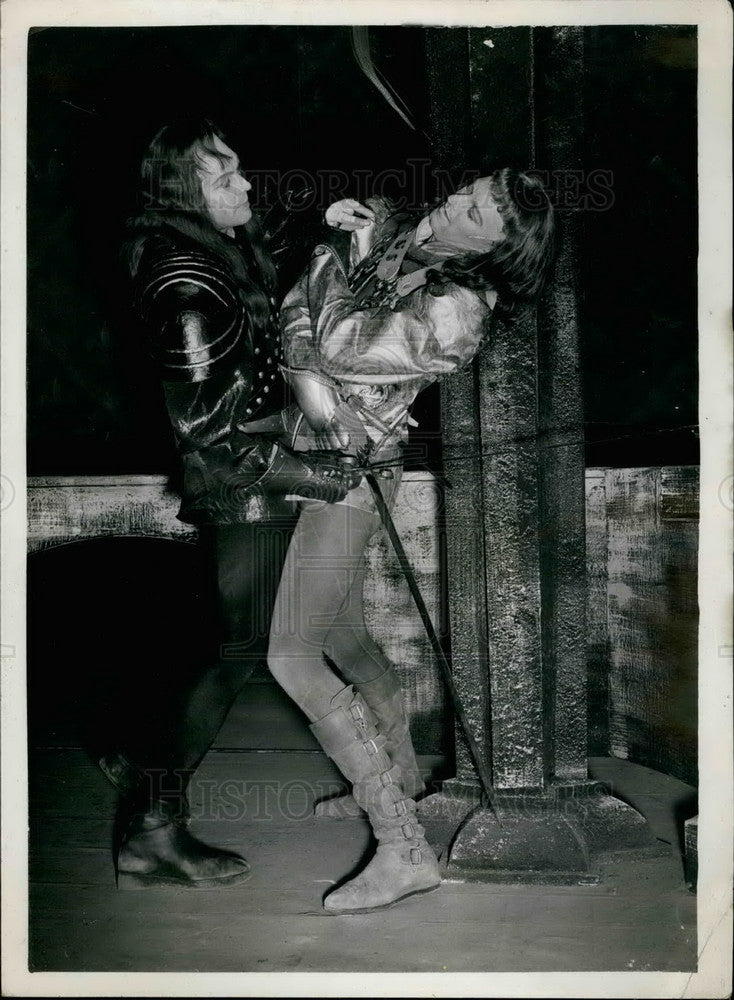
(384,697)
(404,864)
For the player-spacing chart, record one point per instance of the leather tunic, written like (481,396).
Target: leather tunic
(217,373)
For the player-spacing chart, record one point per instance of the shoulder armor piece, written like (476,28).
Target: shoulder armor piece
(192,309)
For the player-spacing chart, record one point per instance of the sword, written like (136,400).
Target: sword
(389,525)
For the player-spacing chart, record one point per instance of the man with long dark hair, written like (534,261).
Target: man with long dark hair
(204,286)
(366,340)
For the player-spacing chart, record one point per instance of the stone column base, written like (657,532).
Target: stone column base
(557,835)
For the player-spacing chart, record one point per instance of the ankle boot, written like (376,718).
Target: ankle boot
(404,864)
(157,849)
(384,696)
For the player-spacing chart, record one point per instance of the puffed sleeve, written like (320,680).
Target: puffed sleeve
(324,331)
(198,334)
(195,322)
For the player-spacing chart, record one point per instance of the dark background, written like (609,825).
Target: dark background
(294,98)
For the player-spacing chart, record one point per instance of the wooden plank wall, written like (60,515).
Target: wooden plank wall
(63,509)
(642,534)
(642,544)
(70,509)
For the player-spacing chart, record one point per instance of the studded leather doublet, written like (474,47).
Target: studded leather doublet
(217,372)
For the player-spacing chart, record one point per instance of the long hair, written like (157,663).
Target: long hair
(172,197)
(516,267)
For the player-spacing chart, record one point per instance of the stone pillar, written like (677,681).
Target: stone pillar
(513,452)
(559,145)
(464,116)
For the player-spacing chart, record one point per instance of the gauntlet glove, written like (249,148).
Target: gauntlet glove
(224,478)
(312,475)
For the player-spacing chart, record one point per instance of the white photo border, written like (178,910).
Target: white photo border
(714,21)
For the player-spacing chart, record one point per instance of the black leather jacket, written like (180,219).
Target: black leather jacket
(217,373)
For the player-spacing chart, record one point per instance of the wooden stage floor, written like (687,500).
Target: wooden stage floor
(258,801)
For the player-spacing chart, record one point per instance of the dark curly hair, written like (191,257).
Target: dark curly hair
(516,267)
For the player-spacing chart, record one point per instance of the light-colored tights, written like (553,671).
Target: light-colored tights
(319,609)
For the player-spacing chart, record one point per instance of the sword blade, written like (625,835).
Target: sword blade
(389,525)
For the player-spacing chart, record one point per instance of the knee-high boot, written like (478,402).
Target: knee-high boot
(384,696)
(155,846)
(404,864)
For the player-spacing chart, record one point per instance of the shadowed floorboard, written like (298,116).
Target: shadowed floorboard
(640,917)
(254,793)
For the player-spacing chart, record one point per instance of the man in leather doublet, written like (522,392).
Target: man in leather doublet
(217,373)
(203,291)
